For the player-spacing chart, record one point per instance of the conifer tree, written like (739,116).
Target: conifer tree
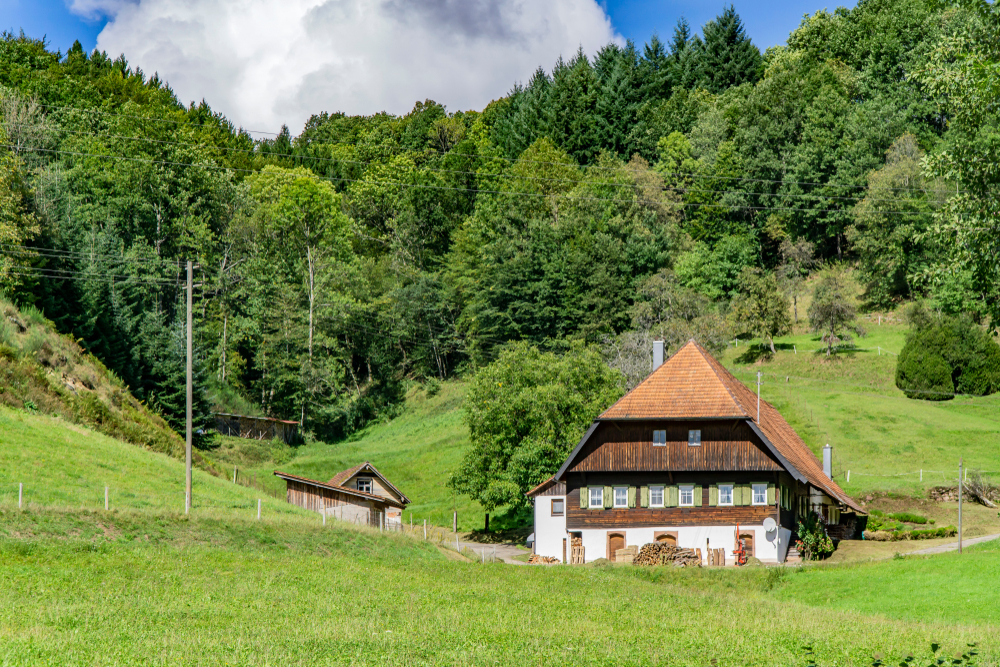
(726,57)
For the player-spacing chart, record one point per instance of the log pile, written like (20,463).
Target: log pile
(656,553)
(542,560)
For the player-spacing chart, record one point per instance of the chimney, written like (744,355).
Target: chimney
(657,354)
(828,461)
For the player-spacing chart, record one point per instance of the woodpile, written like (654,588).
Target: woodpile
(656,553)
(542,560)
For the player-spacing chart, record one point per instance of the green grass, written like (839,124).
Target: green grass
(417,451)
(84,588)
(851,402)
(952,586)
(67,465)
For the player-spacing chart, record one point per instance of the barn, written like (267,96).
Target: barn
(360,495)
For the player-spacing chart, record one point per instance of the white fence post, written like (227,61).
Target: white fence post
(20,495)
(425,529)
(258,509)
(848,475)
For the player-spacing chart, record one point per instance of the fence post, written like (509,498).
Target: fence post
(20,494)
(105,499)
(425,529)
(234,474)
(795,348)
(921,474)
(848,476)
(258,509)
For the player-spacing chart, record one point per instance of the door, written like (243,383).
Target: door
(667,539)
(748,543)
(616,541)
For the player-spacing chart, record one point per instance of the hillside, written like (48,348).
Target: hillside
(43,371)
(416,450)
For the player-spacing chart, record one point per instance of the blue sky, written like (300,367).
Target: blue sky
(768,22)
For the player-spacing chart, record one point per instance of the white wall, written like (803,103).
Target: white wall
(595,542)
(550,531)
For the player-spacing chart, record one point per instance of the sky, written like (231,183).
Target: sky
(265,63)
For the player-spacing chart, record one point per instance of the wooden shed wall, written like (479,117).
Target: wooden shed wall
(628,446)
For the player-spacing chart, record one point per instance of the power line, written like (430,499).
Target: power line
(481,174)
(476,190)
(543,162)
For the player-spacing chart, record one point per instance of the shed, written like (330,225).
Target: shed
(256,428)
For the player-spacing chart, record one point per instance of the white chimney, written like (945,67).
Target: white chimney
(828,461)
(657,354)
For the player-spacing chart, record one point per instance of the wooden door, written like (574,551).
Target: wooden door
(667,539)
(748,543)
(616,541)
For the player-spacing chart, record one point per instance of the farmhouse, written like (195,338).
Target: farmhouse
(360,495)
(685,458)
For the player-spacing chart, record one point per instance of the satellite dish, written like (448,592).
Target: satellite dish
(769,524)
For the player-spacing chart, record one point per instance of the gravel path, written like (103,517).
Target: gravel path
(504,552)
(952,546)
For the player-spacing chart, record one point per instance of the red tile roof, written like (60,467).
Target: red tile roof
(693,385)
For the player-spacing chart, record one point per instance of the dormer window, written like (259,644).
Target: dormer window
(365,484)
(659,438)
(694,438)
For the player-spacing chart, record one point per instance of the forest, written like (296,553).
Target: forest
(641,191)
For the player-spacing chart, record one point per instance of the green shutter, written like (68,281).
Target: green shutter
(697,496)
(644,496)
(631,496)
(713,495)
(770,494)
(584,497)
(609,497)
(673,500)
(742,494)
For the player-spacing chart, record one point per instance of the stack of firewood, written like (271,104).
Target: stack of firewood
(542,560)
(656,553)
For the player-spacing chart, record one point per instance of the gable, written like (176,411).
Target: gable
(726,445)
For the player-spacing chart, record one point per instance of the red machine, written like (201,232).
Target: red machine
(740,552)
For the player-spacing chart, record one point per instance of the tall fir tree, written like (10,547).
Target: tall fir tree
(726,57)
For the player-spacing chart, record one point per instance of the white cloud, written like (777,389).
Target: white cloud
(268,62)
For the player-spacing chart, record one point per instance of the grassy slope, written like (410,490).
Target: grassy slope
(82,588)
(851,402)
(417,451)
(67,465)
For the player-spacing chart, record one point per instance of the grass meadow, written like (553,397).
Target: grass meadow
(79,587)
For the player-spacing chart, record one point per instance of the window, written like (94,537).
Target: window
(760,494)
(656,496)
(621,496)
(694,438)
(596,497)
(557,507)
(687,496)
(725,494)
(659,438)
(365,485)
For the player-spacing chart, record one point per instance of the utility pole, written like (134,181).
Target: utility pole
(187,480)
(960,505)
(758,397)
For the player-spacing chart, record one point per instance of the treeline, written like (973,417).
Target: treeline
(603,200)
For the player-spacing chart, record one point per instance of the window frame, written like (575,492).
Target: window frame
(732,488)
(692,441)
(614,497)
(365,480)
(659,438)
(663,495)
(600,497)
(681,488)
(753,494)
(562,507)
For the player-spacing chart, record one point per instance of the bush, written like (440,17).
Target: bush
(900,535)
(908,517)
(946,355)
(813,542)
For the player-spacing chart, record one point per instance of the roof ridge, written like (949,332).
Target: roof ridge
(725,383)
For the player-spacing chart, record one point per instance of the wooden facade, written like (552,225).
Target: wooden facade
(256,428)
(628,446)
(343,503)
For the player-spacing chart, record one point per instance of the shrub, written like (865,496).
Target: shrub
(908,517)
(945,355)
(813,542)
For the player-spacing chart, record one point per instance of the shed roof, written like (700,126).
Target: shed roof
(692,384)
(366,468)
(340,489)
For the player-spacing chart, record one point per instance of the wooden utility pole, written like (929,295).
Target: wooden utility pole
(187,417)
(959,505)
